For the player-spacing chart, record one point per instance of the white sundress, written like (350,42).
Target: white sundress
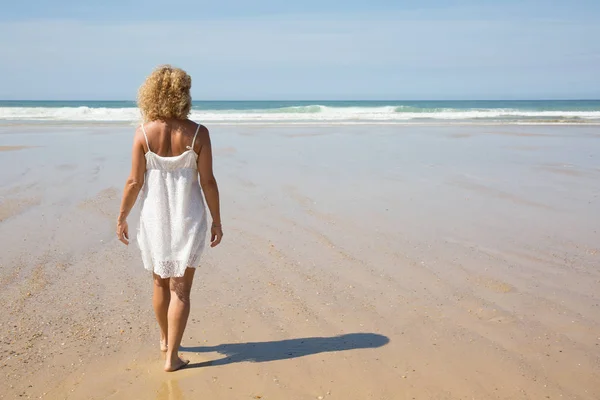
(172,229)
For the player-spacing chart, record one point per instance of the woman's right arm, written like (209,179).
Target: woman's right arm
(209,185)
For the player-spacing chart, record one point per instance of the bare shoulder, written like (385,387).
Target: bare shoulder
(203,134)
(138,135)
(139,141)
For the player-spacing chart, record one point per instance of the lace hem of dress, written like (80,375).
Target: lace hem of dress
(173,268)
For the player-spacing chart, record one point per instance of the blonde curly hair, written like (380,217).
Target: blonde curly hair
(165,94)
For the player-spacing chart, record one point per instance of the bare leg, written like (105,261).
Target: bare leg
(160,301)
(179,310)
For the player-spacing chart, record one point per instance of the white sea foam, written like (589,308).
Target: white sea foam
(312,113)
(68,114)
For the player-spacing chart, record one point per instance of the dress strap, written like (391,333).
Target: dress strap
(194,140)
(146,137)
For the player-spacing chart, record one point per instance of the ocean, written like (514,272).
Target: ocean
(320,112)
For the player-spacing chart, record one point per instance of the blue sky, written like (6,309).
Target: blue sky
(267,49)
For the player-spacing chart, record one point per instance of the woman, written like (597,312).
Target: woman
(169,151)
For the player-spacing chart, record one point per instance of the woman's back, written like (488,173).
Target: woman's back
(171,138)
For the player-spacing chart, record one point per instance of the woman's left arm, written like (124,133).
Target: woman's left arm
(132,186)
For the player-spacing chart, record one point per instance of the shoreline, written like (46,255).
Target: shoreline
(439,123)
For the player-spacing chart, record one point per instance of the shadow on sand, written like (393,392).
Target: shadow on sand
(285,349)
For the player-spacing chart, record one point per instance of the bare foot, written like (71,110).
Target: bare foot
(171,366)
(163,345)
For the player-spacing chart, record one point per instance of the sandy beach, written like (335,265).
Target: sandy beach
(359,262)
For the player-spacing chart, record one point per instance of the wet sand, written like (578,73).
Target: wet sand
(359,262)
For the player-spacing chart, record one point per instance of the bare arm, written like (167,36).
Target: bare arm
(209,185)
(132,186)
